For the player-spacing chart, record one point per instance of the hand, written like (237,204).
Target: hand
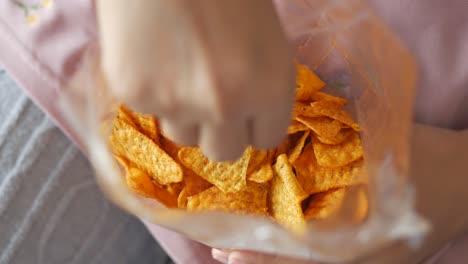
(439,176)
(216,73)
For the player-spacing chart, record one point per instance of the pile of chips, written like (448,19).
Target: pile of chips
(306,178)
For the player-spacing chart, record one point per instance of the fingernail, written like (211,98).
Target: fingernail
(220,256)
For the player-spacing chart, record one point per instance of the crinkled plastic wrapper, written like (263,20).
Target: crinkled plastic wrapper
(359,59)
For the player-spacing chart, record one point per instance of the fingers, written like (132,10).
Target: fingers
(181,133)
(221,142)
(270,129)
(197,67)
(224,141)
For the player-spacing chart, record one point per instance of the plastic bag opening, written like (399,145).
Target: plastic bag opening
(359,59)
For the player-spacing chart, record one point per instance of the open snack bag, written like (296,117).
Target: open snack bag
(338,181)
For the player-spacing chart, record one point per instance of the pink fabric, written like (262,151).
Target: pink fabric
(436,32)
(179,247)
(41,58)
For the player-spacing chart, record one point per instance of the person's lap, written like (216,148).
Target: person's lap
(51,210)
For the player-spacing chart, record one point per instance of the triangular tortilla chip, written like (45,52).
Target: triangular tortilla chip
(315,178)
(338,155)
(144,153)
(286,196)
(253,200)
(227,176)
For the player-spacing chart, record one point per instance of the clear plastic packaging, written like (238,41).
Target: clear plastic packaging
(359,59)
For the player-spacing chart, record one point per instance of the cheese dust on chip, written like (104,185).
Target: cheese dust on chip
(286,196)
(296,151)
(315,178)
(259,169)
(143,123)
(332,110)
(339,138)
(338,155)
(141,183)
(262,175)
(324,127)
(174,188)
(148,126)
(144,153)
(194,183)
(252,199)
(296,127)
(227,176)
(182,199)
(125,115)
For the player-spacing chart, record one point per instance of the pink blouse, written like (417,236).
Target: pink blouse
(42,41)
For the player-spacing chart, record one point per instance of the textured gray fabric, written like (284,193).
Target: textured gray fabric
(51,210)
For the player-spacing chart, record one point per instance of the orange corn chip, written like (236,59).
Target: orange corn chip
(227,176)
(328,172)
(182,199)
(144,153)
(257,159)
(296,126)
(124,114)
(307,83)
(283,148)
(171,148)
(142,184)
(320,96)
(315,178)
(146,124)
(262,175)
(303,109)
(174,188)
(294,153)
(325,204)
(286,195)
(339,138)
(194,183)
(259,169)
(362,207)
(338,155)
(324,127)
(271,154)
(250,200)
(139,182)
(332,110)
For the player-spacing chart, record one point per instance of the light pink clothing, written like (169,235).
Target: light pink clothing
(41,57)
(436,32)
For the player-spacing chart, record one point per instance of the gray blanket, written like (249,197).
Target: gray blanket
(51,210)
